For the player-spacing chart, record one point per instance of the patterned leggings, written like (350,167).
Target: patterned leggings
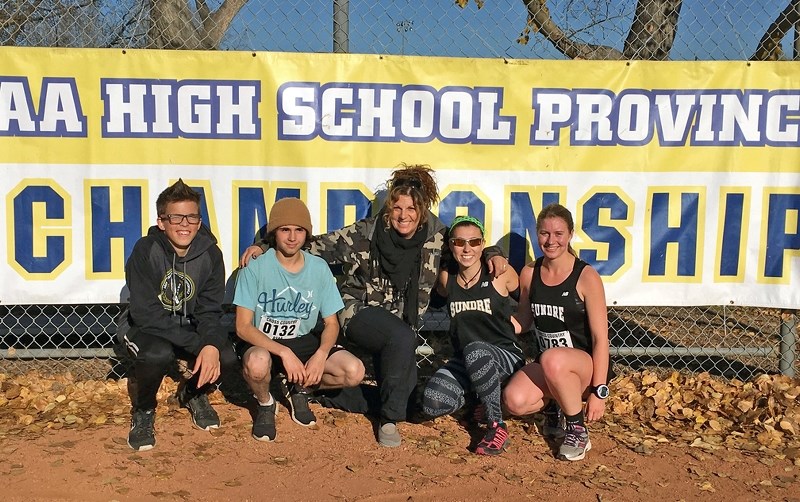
(484,369)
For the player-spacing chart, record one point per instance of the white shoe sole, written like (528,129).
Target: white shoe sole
(577,457)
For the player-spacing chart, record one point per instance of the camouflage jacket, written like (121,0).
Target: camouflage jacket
(362,284)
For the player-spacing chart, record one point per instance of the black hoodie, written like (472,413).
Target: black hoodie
(178,298)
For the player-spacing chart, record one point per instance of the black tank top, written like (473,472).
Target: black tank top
(559,315)
(480,313)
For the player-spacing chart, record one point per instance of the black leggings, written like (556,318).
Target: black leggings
(392,344)
(152,359)
(484,369)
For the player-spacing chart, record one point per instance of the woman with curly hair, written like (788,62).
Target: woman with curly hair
(390,263)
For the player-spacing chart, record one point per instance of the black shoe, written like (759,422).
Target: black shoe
(264,423)
(553,426)
(298,402)
(142,436)
(203,415)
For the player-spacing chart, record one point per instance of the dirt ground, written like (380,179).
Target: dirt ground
(67,441)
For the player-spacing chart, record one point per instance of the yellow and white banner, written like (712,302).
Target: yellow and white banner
(684,178)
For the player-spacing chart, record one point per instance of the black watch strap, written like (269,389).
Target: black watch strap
(600,391)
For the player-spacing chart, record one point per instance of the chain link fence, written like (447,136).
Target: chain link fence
(553,29)
(728,341)
(732,342)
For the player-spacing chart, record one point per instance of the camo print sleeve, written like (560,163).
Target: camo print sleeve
(346,245)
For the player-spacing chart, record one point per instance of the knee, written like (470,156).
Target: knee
(353,372)
(552,363)
(227,359)
(403,342)
(433,404)
(516,402)
(476,354)
(155,356)
(257,364)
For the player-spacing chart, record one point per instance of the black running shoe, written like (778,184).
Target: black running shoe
(142,436)
(298,402)
(264,423)
(553,426)
(203,415)
(496,440)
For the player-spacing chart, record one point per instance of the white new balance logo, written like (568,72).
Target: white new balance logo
(565,293)
(484,284)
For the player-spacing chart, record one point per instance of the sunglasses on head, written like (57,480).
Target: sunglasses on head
(408,182)
(460,242)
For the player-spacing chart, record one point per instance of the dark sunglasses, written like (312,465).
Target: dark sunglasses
(408,182)
(177,219)
(473,243)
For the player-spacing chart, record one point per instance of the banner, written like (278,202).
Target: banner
(683,178)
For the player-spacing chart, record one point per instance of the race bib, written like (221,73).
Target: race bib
(280,329)
(550,340)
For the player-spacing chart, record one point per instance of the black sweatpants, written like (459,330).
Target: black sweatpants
(152,358)
(392,344)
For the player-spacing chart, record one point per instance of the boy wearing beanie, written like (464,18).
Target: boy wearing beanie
(286,305)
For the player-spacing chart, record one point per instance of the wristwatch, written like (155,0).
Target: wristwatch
(600,391)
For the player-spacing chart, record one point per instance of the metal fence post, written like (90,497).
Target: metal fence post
(788,351)
(341,26)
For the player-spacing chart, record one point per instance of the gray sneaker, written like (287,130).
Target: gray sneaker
(553,425)
(388,435)
(576,443)
(142,436)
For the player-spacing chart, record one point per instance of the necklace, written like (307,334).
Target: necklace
(466,282)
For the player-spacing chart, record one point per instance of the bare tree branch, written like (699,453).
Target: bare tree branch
(539,18)
(174,25)
(653,30)
(14,18)
(219,21)
(769,48)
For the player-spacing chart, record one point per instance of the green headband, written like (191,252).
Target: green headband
(467,219)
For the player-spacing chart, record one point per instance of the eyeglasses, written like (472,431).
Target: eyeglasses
(177,219)
(473,243)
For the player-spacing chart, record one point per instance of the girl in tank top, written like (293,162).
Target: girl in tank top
(486,352)
(563,297)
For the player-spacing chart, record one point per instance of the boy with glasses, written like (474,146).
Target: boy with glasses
(176,278)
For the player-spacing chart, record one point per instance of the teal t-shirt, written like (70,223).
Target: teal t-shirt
(287,305)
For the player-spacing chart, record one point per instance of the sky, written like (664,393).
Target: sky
(707,30)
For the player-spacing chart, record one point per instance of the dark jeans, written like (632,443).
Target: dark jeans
(392,344)
(154,358)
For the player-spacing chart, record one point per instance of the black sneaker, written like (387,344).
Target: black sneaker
(142,436)
(203,415)
(576,443)
(264,423)
(553,426)
(298,402)
(495,441)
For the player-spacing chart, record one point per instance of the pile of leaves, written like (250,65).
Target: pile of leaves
(33,403)
(707,412)
(645,409)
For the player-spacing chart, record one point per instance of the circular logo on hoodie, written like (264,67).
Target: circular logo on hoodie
(176,289)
